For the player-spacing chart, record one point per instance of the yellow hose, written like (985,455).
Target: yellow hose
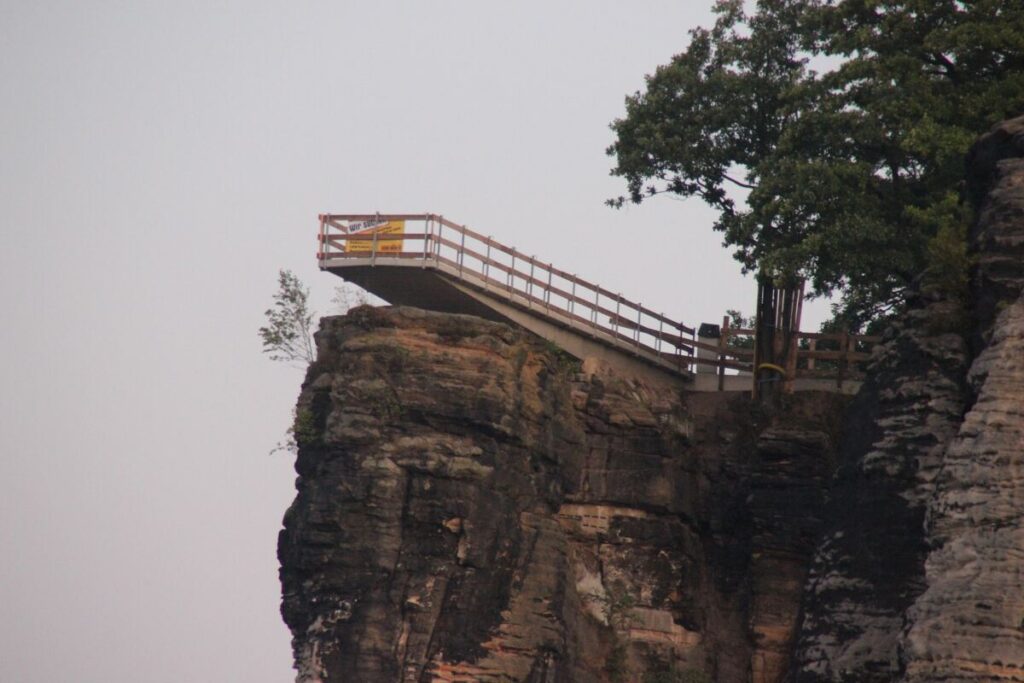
(771,366)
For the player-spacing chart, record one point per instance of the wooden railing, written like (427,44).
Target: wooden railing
(524,280)
(839,356)
(517,277)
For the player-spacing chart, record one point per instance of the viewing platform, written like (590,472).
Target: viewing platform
(446,267)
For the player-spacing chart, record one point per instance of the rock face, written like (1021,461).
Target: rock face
(869,567)
(968,624)
(920,576)
(473,506)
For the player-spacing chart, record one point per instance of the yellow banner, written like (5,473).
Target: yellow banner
(384,246)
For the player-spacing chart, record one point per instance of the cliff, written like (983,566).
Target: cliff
(919,577)
(472,505)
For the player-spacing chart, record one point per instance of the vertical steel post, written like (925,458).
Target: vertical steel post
(512,273)
(487,263)
(462,249)
(529,283)
(322,247)
(547,294)
(440,232)
(639,317)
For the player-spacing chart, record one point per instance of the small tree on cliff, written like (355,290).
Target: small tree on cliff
(288,335)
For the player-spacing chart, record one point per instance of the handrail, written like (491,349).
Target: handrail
(512,275)
(843,362)
(528,282)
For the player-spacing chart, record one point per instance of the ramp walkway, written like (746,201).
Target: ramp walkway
(444,266)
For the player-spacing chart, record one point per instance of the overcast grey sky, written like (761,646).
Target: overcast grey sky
(159,161)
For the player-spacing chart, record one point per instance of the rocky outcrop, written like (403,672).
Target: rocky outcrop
(869,567)
(474,506)
(996,187)
(968,624)
(920,577)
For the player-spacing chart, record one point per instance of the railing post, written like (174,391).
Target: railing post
(322,248)
(618,306)
(572,301)
(679,351)
(462,249)
(661,331)
(547,293)
(487,263)
(844,354)
(428,227)
(511,273)
(639,317)
(723,341)
(812,344)
(593,311)
(529,283)
(437,247)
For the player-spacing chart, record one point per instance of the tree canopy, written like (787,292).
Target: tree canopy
(846,177)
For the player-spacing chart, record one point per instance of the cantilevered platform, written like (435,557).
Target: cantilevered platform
(447,267)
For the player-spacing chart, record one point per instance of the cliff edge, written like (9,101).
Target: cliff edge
(473,505)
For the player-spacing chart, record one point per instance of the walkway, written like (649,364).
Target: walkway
(450,268)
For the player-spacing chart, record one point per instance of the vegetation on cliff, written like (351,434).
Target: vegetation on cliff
(846,176)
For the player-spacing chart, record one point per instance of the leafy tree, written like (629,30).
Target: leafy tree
(711,117)
(854,173)
(287,336)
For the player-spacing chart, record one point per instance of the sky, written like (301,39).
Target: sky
(159,162)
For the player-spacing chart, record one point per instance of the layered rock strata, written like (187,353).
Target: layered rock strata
(920,577)
(474,506)
(968,624)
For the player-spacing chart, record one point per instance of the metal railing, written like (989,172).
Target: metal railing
(511,275)
(524,281)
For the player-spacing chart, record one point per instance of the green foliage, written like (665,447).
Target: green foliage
(738,321)
(304,427)
(711,117)
(948,263)
(617,605)
(287,336)
(852,173)
(302,431)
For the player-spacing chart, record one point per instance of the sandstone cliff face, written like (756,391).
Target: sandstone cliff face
(472,506)
(968,624)
(920,577)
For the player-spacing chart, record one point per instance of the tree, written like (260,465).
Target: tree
(710,118)
(852,174)
(287,336)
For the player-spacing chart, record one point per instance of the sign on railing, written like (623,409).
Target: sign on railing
(379,245)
